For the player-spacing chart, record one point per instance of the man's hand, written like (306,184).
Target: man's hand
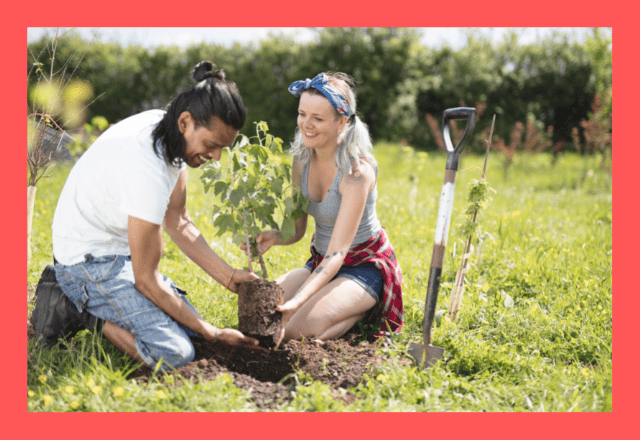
(231,337)
(238,277)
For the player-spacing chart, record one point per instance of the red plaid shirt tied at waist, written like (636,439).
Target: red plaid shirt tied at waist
(378,250)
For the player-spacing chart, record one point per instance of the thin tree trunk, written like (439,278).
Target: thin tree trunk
(31,199)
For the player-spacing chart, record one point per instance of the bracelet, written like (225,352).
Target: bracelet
(217,334)
(229,281)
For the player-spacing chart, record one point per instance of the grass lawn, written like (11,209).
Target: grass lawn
(535,326)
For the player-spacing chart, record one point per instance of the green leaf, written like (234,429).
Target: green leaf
(288,228)
(235,198)
(276,185)
(220,187)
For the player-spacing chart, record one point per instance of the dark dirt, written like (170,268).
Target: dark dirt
(271,376)
(257,314)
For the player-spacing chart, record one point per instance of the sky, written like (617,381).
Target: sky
(151,37)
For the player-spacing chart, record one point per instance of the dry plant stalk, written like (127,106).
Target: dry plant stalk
(597,131)
(44,134)
(458,288)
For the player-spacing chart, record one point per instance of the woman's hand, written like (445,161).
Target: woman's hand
(288,309)
(238,277)
(265,240)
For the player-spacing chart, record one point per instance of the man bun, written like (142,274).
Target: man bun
(204,70)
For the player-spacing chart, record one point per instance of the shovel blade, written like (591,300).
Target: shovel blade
(425,356)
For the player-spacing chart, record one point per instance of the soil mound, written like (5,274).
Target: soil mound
(271,376)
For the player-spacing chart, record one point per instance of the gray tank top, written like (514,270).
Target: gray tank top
(325,213)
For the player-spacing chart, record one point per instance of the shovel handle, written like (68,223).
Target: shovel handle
(468,113)
(444,212)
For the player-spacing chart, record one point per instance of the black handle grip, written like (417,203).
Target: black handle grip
(468,113)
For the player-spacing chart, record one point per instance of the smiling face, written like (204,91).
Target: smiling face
(204,143)
(318,121)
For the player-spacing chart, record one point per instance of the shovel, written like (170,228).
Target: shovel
(425,354)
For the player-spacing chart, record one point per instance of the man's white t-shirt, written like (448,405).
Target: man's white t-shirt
(120,175)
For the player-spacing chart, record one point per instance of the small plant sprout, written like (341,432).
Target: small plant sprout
(255,191)
(477,197)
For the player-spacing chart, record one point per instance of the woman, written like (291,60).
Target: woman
(107,227)
(353,269)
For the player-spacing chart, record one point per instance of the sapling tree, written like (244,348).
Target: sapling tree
(477,197)
(255,190)
(256,193)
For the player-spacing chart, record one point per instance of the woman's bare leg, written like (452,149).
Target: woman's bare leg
(292,281)
(331,312)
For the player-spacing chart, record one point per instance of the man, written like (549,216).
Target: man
(107,228)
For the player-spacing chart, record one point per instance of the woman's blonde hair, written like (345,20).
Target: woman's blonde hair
(354,141)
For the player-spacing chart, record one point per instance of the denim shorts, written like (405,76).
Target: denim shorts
(367,275)
(104,286)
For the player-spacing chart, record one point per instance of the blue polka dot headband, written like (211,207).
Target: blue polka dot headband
(320,83)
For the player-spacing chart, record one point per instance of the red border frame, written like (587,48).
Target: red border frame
(289,13)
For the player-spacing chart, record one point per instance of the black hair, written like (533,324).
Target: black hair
(211,95)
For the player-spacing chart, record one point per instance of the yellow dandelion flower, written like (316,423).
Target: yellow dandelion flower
(90,383)
(119,391)
(161,395)
(42,378)
(227,379)
(599,307)
(75,404)
(96,389)
(46,202)
(381,378)
(30,393)
(47,400)
(584,372)
(69,389)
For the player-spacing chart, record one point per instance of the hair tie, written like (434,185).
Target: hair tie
(320,83)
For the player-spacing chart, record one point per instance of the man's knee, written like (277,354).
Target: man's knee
(185,354)
(180,353)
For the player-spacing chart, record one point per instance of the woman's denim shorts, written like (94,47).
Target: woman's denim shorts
(367,275)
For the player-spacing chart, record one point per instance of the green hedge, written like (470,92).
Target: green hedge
(399,79)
